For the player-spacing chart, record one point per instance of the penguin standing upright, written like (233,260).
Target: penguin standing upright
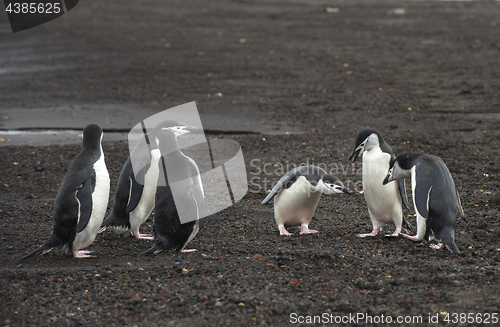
(384,201)
(134,201)
(297,194)
(170,233)
(435,197)
(82,199)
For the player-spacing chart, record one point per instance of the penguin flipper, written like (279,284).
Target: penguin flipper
(136,189)
(422,195)
(84,198)
(459,205)
(285,182)
(200,204)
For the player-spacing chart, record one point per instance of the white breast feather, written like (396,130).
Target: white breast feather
(383,201)
(99,205)
(297,204)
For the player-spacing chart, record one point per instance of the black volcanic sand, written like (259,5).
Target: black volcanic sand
(427,79)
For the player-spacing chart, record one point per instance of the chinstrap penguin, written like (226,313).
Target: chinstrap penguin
(435,198)
(384,201)
(297,194)
(169,232)
(81,200)
(134,201)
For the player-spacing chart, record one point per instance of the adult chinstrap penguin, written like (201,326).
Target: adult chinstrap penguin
(297,194)
(82,199)
(136,189)
(384,201)
(170,233)
(435,198)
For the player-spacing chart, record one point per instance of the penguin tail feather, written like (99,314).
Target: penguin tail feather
(154,250)
(34,252)
(449,241)
(107,222)
(51,243)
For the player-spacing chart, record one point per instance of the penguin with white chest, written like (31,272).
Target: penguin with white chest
(435,197)
(135,200)
(170,233)
(384,201)
(82,199)
(297,194)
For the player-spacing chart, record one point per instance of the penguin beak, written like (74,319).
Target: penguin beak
(190,129)
(185,130)
(346,190)
(354,155)
(387,179)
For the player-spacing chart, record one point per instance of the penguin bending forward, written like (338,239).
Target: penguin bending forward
(435,198)
(134,201)
(297,194)
(169,232)
(384,201)
(82,199)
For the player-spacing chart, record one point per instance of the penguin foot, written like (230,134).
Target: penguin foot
(306,230)
(412,238)
(188,250)
(140,236)
(283,231)
(373,233)
(436,246)
(82,254)
(395,234)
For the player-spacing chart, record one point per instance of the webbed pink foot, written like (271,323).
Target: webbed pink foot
(188,250)
(396,233)
(412,238)
(306,230)
(436,246)
(283,231)
(82,254)
(374,232)
(140,236)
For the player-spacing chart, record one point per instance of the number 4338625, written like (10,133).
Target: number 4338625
(33,8)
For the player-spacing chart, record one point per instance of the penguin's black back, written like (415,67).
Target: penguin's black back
(170,234)
(66,208)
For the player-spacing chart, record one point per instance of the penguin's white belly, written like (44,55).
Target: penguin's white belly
(295,205)
(383,201)
(147,202)
(100,198)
